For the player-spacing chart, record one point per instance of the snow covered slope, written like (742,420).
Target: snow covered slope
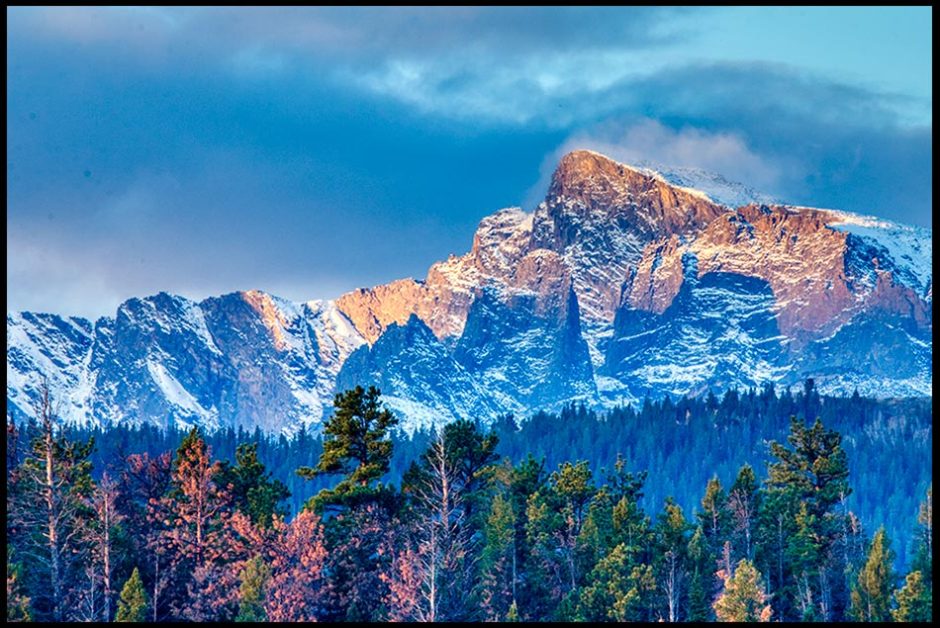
(712,184)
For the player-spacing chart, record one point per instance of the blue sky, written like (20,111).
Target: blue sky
(307,152)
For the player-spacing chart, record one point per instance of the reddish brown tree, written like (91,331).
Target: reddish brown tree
(195,535)
(297,585)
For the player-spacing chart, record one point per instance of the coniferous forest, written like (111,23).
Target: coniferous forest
(755,506)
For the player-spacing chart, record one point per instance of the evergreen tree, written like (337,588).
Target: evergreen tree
(617,589)
(701,581)
(556,515)
(800,524)
(815,471)
(803,554)
(297,586)
(871,597)
(513,614)
(145,480)
(498,560)
(197,536)
(103,531)
(445,540)
(356,445)
(915,601)
(524,480)
(743,599)
(671,558)
(715,524)
(254,578)
(715,518)
(253,490)
(132,606)
(472,454)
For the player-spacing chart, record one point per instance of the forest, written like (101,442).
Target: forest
(756,506)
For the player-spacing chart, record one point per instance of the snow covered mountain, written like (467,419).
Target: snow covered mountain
(714,185)
(623,282)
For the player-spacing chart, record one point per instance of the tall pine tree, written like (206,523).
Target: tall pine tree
(871,597)
(356,445)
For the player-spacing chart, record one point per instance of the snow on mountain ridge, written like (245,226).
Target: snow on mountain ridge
(909,247)
(713,185)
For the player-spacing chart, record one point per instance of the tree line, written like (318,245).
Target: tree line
(466,534)
(888,443)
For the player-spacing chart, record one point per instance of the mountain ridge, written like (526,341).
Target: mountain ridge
(619,284)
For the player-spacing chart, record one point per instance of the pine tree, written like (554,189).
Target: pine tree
(715,517)
(102,532)
(513,614)
(254,578)
(524,480)
(871,597)
(803,554)
(355,445)
(743,599)
(446,543)
(253,490)
(197,536)
(498,560)
(799,521)
(144,482)
(617,589)
(132,607)
(915,601)
(671,550)
(701,582)
(556,515)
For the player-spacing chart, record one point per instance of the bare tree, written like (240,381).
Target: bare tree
(443,539)
(100,534)
(49,507)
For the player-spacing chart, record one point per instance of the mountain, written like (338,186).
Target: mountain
(623,282)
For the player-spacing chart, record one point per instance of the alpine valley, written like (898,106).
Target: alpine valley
(623,283)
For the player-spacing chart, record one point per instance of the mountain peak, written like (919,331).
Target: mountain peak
(595,180)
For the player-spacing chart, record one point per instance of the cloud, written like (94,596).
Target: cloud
(649,140)
(499,64)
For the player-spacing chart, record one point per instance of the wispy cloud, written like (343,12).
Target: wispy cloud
(649,140)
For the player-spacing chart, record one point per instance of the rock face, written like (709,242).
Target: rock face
(621,283)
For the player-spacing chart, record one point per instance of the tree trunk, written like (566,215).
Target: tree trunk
(51,511)
(107,559)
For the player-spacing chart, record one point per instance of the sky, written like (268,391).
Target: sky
(310,151)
